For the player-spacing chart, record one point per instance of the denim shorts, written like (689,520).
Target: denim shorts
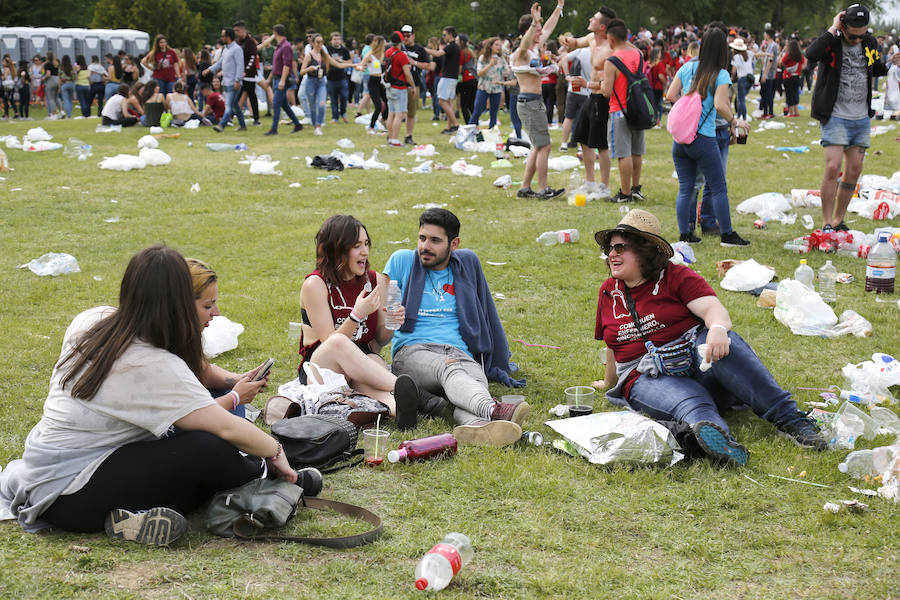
(397,99)
(446,88)
(844,132)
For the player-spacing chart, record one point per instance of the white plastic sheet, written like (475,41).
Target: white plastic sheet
(563,163)
(422,151)
(148,141)
(52,263)
(801,309)
(122,162)
(263,165)
(154,157)
(38,134)
(746,276)
(221,336)
(461,167)
(373,163)
(41,146)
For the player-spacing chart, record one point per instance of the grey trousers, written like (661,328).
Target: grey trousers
(447,370)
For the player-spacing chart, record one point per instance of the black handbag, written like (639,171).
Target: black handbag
(321,441)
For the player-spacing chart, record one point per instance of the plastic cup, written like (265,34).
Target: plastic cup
(580,400)
(580,199)
(294,331)
(375,448)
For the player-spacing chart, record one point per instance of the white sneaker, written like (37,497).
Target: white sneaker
(318,131)
(563,147)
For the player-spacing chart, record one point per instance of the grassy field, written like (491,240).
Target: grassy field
(544,525)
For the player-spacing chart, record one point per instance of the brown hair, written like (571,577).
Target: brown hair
(651,260)
(338,234)
(202,276)
(156,305)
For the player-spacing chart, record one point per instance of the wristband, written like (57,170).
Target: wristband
(236,400)
(356,318)
(722,327)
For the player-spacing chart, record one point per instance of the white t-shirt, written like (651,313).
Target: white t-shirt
(583,56)
(743,67)
(147,390)
(113,108)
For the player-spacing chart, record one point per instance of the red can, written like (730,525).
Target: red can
(759,224)
(863,250)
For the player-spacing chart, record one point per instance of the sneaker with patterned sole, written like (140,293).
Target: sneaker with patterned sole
(620,198)
(732,240)
(158,526)
(718,444)
(488,433)
(803,431)
(636,193)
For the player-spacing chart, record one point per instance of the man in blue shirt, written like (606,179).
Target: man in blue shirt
(231,64)
(451,340)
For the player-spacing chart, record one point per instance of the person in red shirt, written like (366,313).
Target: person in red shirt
(791,63)
(399,76)
(649,301)
(658,78)
(214,106)
(164,63)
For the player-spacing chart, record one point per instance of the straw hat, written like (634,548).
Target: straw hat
(739,45)
(638,222)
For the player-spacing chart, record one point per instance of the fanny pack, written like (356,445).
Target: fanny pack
(672,359)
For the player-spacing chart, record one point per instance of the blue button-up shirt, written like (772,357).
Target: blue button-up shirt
(231,63)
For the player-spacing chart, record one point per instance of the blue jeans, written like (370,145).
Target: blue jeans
(481,100)
(514,114)
(279,102)
(302,98)
(232,108)
(316,93)
(68,97)
(96,91)
(338,92)
(743,88)
(707,214)
(110,90)
(165,87)
(702,154)
(740,377)
(84,99)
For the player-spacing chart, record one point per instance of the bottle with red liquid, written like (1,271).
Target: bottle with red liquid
(424,448)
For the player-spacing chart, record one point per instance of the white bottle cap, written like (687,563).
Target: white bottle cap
(393,456)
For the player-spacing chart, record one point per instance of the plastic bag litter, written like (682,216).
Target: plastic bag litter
(873,376)
(345,143)
(76,148)
(504,181)
(363,120)
(424,167)
(848,425)
(461,167)
(13,142)
(41,146)
(38,134)
(795,149)
(763,204)
(263,165)
(122,162)
(153,130)
(154,157)
(875,209)
(746,276)
(192,124)
(684,250)
(195,188)
(350,161)
(563,163)
(465,133)
(148,141)
(851,321)
(801,309)
(770,125)
(114,129)
(802,198)
(501,163)
(888,421)
(422,151)
(520,151)
(221,336)
(52,263)
(621,437)
(372,163)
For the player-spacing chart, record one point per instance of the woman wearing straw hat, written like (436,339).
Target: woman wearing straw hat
(743,68)
(656,368)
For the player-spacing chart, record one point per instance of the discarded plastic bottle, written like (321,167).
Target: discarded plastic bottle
(881,266)
(804,274)
(859,463)
(441,563)
(885,458)
(222,147)
(827,282)
(563,236)
(797,246)
(392,304)
(532,438)
(807,221)
(424,448)
(577,192)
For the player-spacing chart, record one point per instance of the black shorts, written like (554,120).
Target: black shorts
(591,124)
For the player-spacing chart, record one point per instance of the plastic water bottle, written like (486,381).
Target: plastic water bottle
(392,304)
(804,274)
(859,463)
(577,193)
(881,266)
(827,282)
(441,563)
(424,448)
(223,147)
(563,236)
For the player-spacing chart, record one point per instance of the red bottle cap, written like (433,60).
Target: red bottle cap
(421,583)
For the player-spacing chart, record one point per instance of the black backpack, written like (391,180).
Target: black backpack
(639,113)
(386,77)
(321,441)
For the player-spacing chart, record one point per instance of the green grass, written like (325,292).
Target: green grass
(543,525)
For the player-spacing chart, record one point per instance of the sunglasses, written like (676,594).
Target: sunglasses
(619,248)
(852,36)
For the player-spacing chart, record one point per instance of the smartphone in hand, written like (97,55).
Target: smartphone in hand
(264,370)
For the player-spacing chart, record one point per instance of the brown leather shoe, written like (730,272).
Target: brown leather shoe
(516,412)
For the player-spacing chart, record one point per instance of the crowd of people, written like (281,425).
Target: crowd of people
(105,449)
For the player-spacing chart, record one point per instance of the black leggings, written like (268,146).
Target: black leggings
(466,90)
(249,88)
(548,92)
(181,472)
(379,100)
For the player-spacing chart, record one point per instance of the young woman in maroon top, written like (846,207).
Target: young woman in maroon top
(343,321)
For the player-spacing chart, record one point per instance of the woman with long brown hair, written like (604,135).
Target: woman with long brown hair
(372,61)
(104,456)
(791,63)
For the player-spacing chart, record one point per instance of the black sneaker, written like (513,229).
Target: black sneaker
(803,431)
(714,230)
(406,399)
(733,240)
(298,127)
(271,132)
(525,193)
(827,228)
(719,445)
(430,404)
(841,227)
(690,238)
(310,479)
(219,128)
(549,193)
(242,128)
(620,198)
(636,193)
(409,141)
(158,526)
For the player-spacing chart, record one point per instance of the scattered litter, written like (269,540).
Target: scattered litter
(391,211)
(220,336)
(263,165)
(345,143)
(111,220)
(372,163)
(753,480)
(403,241)
(195,188)
(52,263)
(329,163)
(821,485)
(361,191)
(428,205)
(153,130)
(864,492)
(13,142)
(122,162)
(504,181)
(76,148)
(38,134)
(222,147)
(154,157)
(97,278)
(192,124)
(563,163)
(41,146)
(327,177)
(769,125)
(495,264)
(683,251)
(520,151)
(770,206)
(527,345)
(422,151)
(499,296)
(112,129)
(880,129)
(424,167)
(851,505)
(148,141)
(461,167)
(747,275)
(795,149)
(294,185)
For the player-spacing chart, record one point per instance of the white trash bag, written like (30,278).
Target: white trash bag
(52,263)
(38,134)
(263,165)
(422,151)
(148,141)
(41,146)
(746,276)
(154,157)
(768,203)
(563,163)
(461,167)
(221,336)
(802,309)
(122,162)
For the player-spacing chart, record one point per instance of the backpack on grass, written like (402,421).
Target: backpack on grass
(321,441)
(639,113)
